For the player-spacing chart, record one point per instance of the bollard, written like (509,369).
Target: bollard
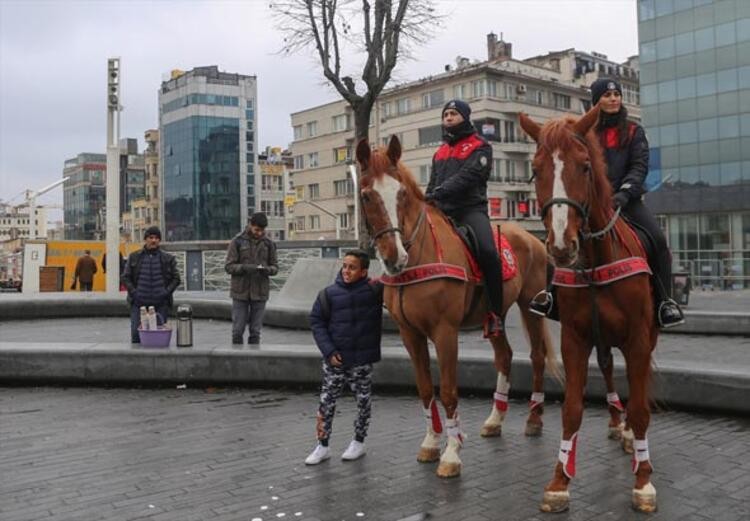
(184,325)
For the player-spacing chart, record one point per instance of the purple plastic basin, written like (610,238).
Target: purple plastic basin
(155,337)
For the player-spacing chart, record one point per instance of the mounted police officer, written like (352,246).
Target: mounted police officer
(458,187)
(626,152)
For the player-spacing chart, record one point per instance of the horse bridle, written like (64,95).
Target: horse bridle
(394,229)
(582,209)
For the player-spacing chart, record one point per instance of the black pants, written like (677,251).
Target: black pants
(660,258)
(487,256)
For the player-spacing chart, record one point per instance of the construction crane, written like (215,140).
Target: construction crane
(31,196)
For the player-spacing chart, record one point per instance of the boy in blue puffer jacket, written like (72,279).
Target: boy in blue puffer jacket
(346,321)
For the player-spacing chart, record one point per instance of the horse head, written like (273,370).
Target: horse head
(383,198)
(569,178)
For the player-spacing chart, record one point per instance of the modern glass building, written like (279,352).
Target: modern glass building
(208,122)
(695,101)
(84,197)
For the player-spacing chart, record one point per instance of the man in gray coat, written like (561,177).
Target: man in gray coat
(251,260)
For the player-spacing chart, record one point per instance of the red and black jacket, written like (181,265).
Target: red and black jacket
(459,175)
(627,166)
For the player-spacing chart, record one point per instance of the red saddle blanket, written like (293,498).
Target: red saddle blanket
(442,270)
(507,256)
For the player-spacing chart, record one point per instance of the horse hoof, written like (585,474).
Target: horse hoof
(555,501)
(427,455)
(533,429)
(615,433)
(491,430)
(644,500)
(449,470)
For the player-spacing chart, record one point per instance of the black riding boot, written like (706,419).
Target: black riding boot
(668,312)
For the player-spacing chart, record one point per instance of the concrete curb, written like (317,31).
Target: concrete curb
(291,313)
(123,364)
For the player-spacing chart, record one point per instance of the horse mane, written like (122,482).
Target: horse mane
(380,163)
(558,133)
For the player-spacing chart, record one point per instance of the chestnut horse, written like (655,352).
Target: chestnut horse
(435,309)
(583,232)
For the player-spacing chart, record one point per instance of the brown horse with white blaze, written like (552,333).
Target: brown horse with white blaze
(408,235)
(588,244)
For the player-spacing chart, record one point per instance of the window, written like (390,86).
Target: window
(300,192)
(341,122)
(561,101)
(272,182)
(299,162)
(431,135)
(341,154)
(343,221)
(497,168)
(314,222)
(433,98)
(424,174)
(387,139)
(313,191)
(477,88)
(343,187)
(510,170)
(312,160)
(509,128)
(492,88)
(298,132)
(459,91)
(403,106)
(385,108)
(312,128)
(299,224)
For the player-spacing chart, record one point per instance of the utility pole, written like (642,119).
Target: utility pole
(112,204)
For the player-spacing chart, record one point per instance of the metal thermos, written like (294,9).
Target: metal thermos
(184,325)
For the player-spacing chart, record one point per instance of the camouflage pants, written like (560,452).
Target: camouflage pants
(359,380)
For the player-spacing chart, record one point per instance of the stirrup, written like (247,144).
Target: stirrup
(665,325)
(541,304)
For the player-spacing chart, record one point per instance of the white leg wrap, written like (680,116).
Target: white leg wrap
(537,399)
(453,426)
(501,393)
(567,455)
(640,453)
(613,399)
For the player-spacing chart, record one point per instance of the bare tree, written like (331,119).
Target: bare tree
(384,30)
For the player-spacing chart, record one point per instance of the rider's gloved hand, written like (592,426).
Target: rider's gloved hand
(620,200)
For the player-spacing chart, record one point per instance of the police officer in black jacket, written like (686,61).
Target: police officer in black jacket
(458,186)
(626,152)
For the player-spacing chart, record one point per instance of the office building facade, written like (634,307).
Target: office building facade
(208,168)
(84,197)
(695,100)
(497,89)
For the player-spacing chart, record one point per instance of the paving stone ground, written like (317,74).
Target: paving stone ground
(88,454)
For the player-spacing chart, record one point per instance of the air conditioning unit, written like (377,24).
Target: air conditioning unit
(521,89)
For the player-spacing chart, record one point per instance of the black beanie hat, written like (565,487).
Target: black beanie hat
(602,85)
(152,230)
(461,107)
(259,219)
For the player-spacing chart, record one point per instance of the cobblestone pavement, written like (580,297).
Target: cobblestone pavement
(89,454)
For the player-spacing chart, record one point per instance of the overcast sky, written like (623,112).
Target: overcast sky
(53,59)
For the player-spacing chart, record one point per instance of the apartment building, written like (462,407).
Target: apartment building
(497,89)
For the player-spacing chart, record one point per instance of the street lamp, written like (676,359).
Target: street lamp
(327,212)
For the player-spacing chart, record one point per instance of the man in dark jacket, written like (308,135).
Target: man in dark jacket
(458,186)
(85,270)
(150,278)
(251,260)
(346,322)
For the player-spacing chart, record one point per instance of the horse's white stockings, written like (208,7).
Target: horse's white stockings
(567,455)
(640,453)
(434,426)
(455,440)
(537,400)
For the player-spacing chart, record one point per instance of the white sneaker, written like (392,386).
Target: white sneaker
(355,450)
(320,453)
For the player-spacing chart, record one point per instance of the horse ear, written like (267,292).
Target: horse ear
(363,153)
(529,126)
(394,149)
(587,121)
